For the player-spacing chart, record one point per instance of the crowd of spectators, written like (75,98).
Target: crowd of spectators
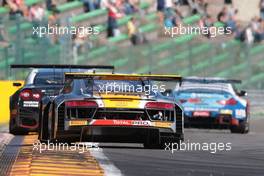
(169,15)
(248,32)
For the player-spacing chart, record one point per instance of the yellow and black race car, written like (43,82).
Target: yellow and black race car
(110,107)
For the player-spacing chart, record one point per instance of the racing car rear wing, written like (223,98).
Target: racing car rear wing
(52,66)
(109,76)
(208,80)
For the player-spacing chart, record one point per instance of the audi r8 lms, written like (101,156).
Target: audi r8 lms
(101,107)
(43,80)
(214,103)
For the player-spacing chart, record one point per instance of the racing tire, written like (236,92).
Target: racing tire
(243,128)
(43,129)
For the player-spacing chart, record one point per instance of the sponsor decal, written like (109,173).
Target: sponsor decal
(121,122)
(77,122)
(240,112)
(201,114)
(141,123)
(163,124)
(34,104)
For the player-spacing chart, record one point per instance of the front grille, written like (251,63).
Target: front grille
(61,115)
(28,116)
(28,122)
(27,112)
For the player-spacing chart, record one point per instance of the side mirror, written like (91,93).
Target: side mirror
(242,93)
(17,84)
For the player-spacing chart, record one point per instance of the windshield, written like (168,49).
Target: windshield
(48,78)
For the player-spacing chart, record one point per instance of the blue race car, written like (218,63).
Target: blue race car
(213,103)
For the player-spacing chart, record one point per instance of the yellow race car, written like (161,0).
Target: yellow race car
(110,107)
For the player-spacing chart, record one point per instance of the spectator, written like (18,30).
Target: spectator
(97,4)
(249,37)
(88,5)
(232,20)
(53,21)
(36,13)
(160,9)
(128,8)
(227,2)
(3,3)
(256,29)
(222,15)
(49,4)
(17,7)
(171,19)
(3,38)
(207,22)
(232,11)
(239,33)
(261,7)
(78,44)
(203,5)
(132,31)
(168,5)
(169,22)
(113,15)
(262,29)
(104,4)
(198,6)
(194,7)
(53,18)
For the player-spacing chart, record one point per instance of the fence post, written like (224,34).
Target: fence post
(190,69)
(247,48)
(6,61)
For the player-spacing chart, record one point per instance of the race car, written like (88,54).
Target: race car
(101,107)
(213,103)
(43,80)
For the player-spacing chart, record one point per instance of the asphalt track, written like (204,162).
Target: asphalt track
(245,158)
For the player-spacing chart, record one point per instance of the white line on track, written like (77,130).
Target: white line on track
(109,168)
